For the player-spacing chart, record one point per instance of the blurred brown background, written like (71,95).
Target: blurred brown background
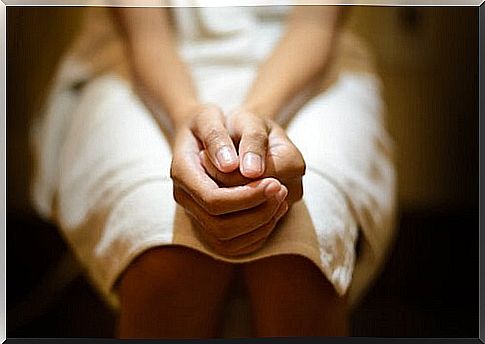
(428,61)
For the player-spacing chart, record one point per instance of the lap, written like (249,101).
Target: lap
(114,191)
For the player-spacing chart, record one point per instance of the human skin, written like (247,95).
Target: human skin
(221,206)
(235,201)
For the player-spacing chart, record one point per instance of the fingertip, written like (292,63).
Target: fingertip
(281,194)
(284,209)
(252,165)
(230,167)
(250,174)
(272,188)
(227,160)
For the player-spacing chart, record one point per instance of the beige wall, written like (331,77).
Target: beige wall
(427,59)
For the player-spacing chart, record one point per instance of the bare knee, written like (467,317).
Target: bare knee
(172,292)
(171,273)
(292,275)
(291,296)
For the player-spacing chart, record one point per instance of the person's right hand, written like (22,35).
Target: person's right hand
(232,220)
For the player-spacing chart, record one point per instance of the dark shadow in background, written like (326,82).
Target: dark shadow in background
(428,289)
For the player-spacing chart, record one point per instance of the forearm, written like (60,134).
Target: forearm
(299,59)
(160,75)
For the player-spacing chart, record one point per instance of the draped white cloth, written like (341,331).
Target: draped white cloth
(102,163)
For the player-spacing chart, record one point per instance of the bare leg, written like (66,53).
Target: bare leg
(291,297)
(173,292)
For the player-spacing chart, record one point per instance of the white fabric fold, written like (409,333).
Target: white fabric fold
(102,164)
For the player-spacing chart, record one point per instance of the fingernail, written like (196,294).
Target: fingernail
(281,195)
(252,162)
(271,189)
(225,156)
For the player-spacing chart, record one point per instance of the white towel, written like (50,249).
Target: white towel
(102,163)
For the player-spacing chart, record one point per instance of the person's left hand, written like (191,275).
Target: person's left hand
(264,151)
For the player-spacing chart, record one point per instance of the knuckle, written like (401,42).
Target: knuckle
(213,137)
(210,204)
(206,226)
(301,166)
(204,222)
(213,208)
(211,108)
(298,165)
(177,173)
(198,223)
(173,170)
(303,169)
(176,196)
(259,137)
(296,169)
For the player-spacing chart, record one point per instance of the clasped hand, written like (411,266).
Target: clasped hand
(235,178)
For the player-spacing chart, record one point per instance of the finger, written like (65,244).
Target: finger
(249,220)
(223,179)
(283,162)
(284,159)
(247,250)
(294,185)
(253,134)
(211,131)
(213,243)
(295,190)
(258,234)
(229,226)
(187,171)
(218,201)
(252,241)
